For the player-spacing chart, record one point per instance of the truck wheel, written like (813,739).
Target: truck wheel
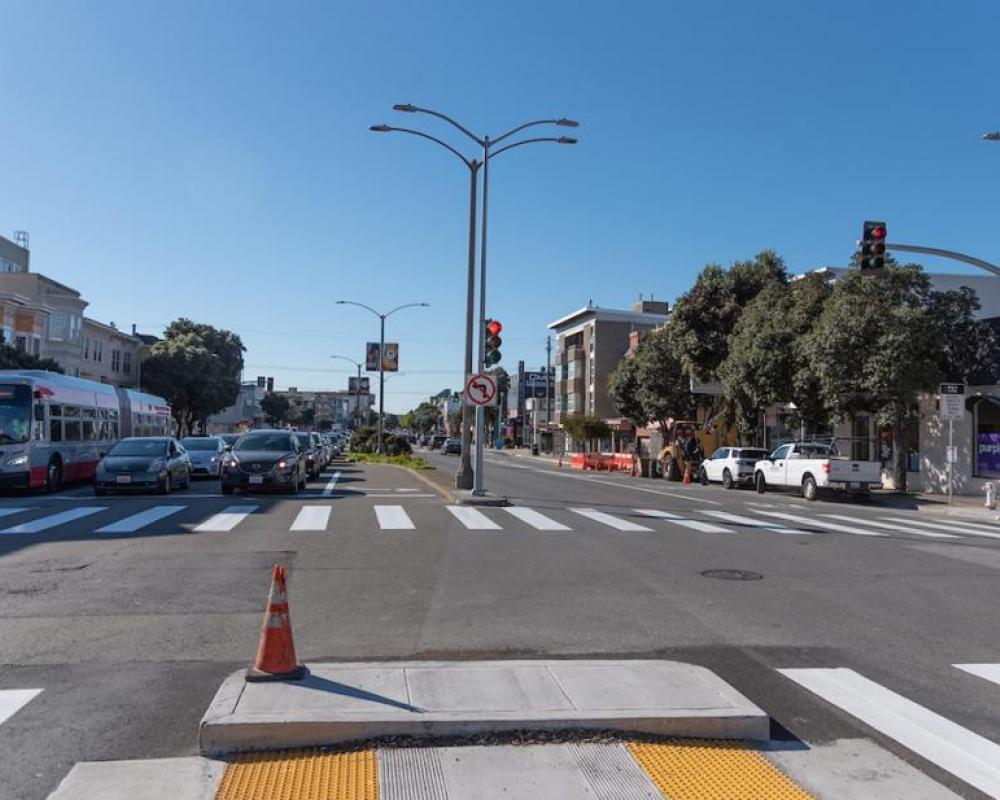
(672,470)
(727,479)
(759,483)
(703,476)
(809,490)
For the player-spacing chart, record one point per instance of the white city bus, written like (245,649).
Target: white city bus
(54,428)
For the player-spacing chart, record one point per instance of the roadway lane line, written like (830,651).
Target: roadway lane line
(894,528)
(393,518)
(226,520)
(312,518)
(536,520)
(7,512)
(52,520)
(331,484)
(626,486)
(940,526)
(133,523)
(750,522)
(967,755)
(611,520)
(676,519)
(13,700)
(473,518)
(833,526)
(988,672)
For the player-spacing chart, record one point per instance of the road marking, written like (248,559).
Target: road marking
(686,522)
(988,672)
(833,526)
(750,522)
(965,754)
(623,485)
(611,520)
(133,523)
(331,484)
(386,494)
(536,520)
(312,518)
(895,528)
(227,519)
(7,512)
(407,490)
(943,527)
(473,518)
(393,518)
(52,520)
(13,700)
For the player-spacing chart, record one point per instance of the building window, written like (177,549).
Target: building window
(860,444)
(21,342)
(98,350)
(116,358)
(127,362)
(86,348)
(988,438)
(36,345)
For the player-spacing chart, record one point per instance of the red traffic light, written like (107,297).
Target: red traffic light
(493,327)
(878,233)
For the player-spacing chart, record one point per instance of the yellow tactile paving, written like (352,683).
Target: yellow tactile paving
(301,775)
(698,769)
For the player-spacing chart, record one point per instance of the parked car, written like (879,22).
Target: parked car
(437,441)
(452,447)
(733,466)
(143,463)
(206,454)
(309,443)
(229,439)
(815,466)
(265,459)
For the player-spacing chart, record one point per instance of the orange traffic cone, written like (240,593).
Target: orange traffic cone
(687,476)
(276,652)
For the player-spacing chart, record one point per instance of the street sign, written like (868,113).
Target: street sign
(951,454)
(952,400)
(480,390)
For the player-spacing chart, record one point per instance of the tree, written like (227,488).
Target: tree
(623,386)
(12,358)
(275,408)
(588,429)
(307,416)
(882,340)
(703,318)
(664,386)
(197,369)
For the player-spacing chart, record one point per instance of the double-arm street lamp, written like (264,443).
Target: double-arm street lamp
(381,348)
(357,390)
(465,478)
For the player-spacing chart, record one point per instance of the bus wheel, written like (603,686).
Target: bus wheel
(54,476)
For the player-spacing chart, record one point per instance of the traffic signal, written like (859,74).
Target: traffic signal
(873,245)
(493,341)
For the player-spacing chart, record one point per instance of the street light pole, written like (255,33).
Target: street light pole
(357,390)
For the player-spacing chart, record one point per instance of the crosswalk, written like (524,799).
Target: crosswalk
(328,514)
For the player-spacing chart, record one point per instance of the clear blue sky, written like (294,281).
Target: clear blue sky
(213,160)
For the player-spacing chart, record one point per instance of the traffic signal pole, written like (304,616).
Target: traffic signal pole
(478,485)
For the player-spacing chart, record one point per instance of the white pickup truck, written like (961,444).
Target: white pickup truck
(814,466)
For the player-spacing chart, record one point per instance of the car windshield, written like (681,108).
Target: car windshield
(15,413)
(305,440)
(200,444)
(148,448)
(276,442)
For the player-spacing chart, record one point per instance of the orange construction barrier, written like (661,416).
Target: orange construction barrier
(275,659)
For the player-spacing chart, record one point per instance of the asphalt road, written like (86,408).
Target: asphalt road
(129,633)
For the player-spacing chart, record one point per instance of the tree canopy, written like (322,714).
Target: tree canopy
(275,408)
(586,428)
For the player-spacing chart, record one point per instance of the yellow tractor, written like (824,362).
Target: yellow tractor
(683,450)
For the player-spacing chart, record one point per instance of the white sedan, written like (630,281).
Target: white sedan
(732,466)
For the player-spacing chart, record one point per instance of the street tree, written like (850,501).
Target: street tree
(197,369)
(12,358)
(275,408)
(586,428)
(623,386)
(663,385)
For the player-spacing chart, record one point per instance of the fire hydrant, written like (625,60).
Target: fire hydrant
(991,495)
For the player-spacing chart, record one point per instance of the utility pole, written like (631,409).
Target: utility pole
(548,369)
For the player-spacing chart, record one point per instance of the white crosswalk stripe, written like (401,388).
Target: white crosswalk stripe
(142,519)
(312,518)
(896,528)
(833,526)
(988,672)
(331,484)
(9,512)
(393,518)
(610,520)
(750,522)
(473,518)
(685,522)
(967,755)
(13,700)
(942,526)
(226,520)
(52,520)
(535,519)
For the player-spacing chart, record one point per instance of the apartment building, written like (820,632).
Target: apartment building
(109,355)
(589,343)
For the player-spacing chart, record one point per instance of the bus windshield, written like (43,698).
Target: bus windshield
(15,413)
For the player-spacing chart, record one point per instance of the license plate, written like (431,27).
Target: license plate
(123,479)
(256,480)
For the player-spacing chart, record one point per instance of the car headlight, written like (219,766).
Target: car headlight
(230,463)
(213,459)
(17,460)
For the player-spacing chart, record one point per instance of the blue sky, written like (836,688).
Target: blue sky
(213,160)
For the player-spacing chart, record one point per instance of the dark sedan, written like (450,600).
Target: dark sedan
(310,444)
(143,463)
(265,460)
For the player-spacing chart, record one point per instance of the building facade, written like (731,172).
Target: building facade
(337,407)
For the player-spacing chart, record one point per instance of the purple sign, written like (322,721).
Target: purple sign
(988,455)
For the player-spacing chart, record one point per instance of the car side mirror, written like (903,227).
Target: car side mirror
(228,448)
(39,413)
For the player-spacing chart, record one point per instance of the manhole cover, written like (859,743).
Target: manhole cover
(732,575)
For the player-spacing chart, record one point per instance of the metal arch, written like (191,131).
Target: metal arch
(934,251)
